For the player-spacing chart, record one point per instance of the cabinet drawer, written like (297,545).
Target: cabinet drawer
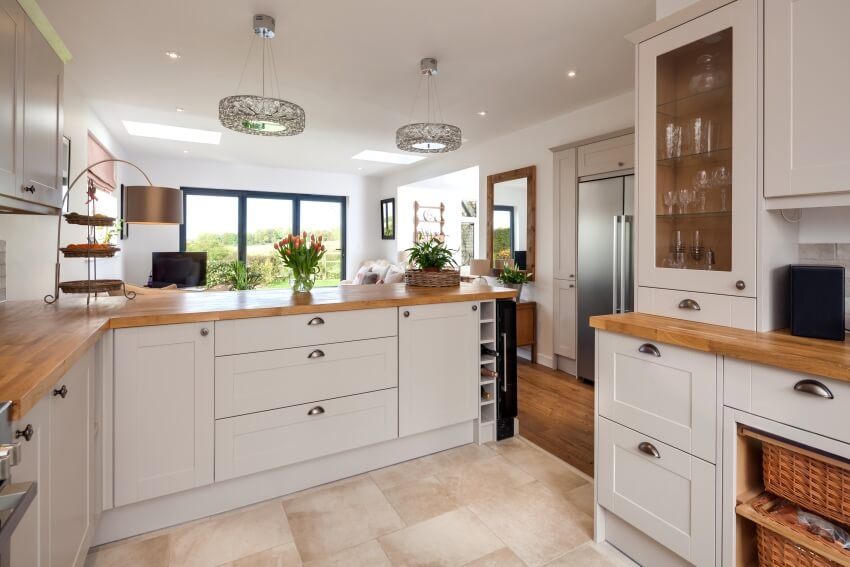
(770,392)
(726,310)
(671,397)
(606,156)
(670,496)
(247,383)
(289,331)
(266,440)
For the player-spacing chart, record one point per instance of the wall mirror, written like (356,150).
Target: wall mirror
(511,205)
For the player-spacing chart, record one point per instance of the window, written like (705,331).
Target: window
(244,225)
(503,232)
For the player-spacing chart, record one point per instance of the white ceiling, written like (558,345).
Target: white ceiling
(352,65)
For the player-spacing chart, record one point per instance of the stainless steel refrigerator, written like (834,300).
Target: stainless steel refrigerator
(605,275)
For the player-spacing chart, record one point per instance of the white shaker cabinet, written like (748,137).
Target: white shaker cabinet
(565,214)
(164,410)
(438,366)
(12,28)
(806,116)
(565,318)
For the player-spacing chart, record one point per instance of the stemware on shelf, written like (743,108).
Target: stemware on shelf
(701,135)
(721,177)
(686,197)
(672,141)
(707,77)
(697,247)
(670,201)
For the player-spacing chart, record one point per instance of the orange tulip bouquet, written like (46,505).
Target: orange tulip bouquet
(302,256)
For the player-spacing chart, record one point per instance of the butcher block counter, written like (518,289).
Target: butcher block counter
(39,343)
(830,359)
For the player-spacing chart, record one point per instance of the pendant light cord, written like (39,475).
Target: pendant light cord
(245,66)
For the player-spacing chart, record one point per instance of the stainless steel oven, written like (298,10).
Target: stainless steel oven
(15,498)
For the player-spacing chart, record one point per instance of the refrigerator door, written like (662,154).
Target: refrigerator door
(506,409)
(629,248)
(599,202)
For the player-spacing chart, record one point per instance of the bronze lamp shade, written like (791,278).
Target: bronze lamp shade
(144,204)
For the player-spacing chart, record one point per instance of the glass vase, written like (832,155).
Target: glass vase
(302,283)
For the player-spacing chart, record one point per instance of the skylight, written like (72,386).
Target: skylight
(387,157)
(166,132)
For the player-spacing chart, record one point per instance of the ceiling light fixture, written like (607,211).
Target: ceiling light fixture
(178,109)
(259,114)
(173,55)
(428,137)
(387,157)
(482,113)
(571,74)
(166,132)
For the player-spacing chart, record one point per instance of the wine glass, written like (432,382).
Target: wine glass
(721,177)
(670,200)
(686,197)
(702,179)
(707,77)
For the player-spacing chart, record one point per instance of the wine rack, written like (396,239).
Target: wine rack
(488,391)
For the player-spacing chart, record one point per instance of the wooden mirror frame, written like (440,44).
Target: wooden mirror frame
(530,175)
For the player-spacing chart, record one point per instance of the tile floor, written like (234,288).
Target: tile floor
(507,504)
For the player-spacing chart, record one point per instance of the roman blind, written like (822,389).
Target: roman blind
(103,175)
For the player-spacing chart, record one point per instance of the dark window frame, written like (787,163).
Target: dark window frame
(242,215)
(510,210)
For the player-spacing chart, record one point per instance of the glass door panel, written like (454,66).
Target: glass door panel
(212,226)
(325,218)
(267,221)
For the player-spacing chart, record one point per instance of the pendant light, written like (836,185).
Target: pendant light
(428,137)
(258,114)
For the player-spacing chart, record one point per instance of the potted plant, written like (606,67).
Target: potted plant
(434,264)
(301,255)
(514,278)
(242,277)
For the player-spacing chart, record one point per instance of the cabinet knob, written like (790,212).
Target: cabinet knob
(27,432)
(30,189)
(318,410)
(649,449)
(407,313)
(315,321)
(572,276)
(621,163)
(316,354)
(572,285)
(205,332)
(61,392)
(740,285)
(475,308)
(689,304)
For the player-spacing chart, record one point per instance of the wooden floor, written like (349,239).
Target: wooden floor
(556,413)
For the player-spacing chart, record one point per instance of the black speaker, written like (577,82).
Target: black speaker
(817,302)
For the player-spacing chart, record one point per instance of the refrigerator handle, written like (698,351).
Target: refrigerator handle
(615,303)
(626,265)
(504,362)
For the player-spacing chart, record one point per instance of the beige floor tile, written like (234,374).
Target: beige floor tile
(339,482)
(369,554)
(281,556)
(509,445)
(230,536)
(548,469)
(151,552)
(502,558)
(452,539)
(421,499)
(407,471)
(479,479)
(463,455)
(582,498)
(591,556)
(340,517)
(537,524)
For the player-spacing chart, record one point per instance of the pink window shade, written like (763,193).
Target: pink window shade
(103,175)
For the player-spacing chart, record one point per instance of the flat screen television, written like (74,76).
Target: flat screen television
(185,269)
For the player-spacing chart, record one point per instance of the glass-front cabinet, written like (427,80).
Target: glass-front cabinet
(697,150)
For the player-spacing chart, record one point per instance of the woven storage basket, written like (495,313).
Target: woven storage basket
(419,278)
(90,253)
(91,286)
(777,551)
(822,486)
(86,220)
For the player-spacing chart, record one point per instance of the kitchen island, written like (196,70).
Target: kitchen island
(175,407)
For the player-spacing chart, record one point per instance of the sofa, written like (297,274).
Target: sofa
(377,272)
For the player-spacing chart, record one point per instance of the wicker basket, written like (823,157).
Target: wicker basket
(777,551)
(86,220)
(91,286)
(420,278)
(90,253)
(821,485)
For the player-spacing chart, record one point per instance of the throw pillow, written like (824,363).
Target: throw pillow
(394,275)
(380,270)
(370,278)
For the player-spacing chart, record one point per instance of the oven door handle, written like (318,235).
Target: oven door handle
(15,499)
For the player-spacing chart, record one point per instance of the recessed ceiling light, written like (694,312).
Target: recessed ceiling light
(571,74)
(359,169)
(185,151)
(179,109)
(387,157)
(482,113)
(166,132)
(172,55)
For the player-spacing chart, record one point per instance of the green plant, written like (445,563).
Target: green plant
(242,277)
(431,254)
(511,275)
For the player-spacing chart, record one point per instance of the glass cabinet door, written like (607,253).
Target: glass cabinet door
(697,154)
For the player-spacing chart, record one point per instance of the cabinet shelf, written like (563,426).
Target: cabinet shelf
(487,359)
(703,215)
(697,103)
(704,159)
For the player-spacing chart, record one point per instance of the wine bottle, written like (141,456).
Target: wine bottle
(488,351)
(488,373)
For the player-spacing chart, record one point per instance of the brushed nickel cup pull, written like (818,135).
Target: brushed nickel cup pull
(205,332)
(814,388)
(407,313)
(27,432)
(318,410)
(62,392)
(315,321)
(741,285)
(649,449)
(316,354)
(689,304)
(647,348)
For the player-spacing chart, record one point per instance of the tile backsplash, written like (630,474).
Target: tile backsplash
(2,270)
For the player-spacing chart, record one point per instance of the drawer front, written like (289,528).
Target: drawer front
(795,399)
(671,397)
(247,383)
(726,310)
(669,496)
(261,441)
(607,156)
(289,331)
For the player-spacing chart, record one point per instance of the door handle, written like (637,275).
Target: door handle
(814,388)
(315,321)
(318,410)
(61,392)
(504,362)
(30,189)
(649,449)
(648,348)
(689,304)
(316,354)
(27,432)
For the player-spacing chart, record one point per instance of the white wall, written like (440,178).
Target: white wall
(830,225)
(363,212)
(31,239)
(664,8)
(529,146)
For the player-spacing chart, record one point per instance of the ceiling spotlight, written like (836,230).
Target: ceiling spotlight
(179,109)
(185,151)
(172,55)
(571,74)
(482,113)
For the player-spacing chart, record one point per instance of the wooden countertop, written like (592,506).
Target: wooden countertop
(830,359)
(39,343)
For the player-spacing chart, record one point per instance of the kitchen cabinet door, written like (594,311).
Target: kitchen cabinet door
(42,121)
(164,410)
(806,116)
(565,318)
(71,464)
(31,539)
(606,156)
(12,27)
(565,214)
(438,351)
